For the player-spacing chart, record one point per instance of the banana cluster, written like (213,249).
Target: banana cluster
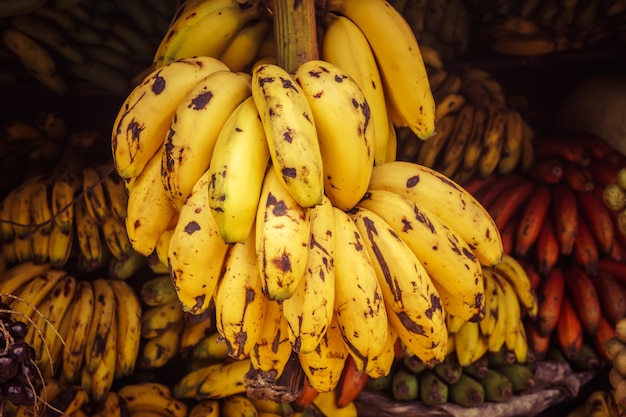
(275,195)
(67,217)
(509,298)
(533,28)
(440,24)
(478,131)
(141,399)
(88,331)
(105,44)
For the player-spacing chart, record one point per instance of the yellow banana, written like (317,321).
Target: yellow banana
(76,342)
(195,329)
(116,195)
(27,298)
(35,58)
(212,347)
(195,126)
(456,207)
(448,260)
(234,192)
(345,46)
(156,320)
(204,28)
(488,323)
(273,347)
(239,300)
(212,376)
(431,150)
(19,275)
(514,273)
(40,210)
(143,121)
(104,374)
(50,312)
(152,396)
(475,140)
(290,132)
(115,237)
(344,134)
(400,61)
(196,251)
(496,339)
(511,147)
(149,210)
(6,228)
(466,341)
(309,310)
(324,364)
(512,312)
(282,238)
(241,52)
(102,319)
(128,318)
(157,291)
(359,305)
(493,139)
(453,152)
(20,213)
(159,350)
(326,403)
(63,194)
(406,287)
(90,242)
(206,408)
(112,405)
(93,190)
(237,406)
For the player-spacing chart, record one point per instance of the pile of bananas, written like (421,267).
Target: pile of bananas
(440,24)
(532,27)
(239,183)
(66,218)
(88,331)
(478,131)
(103,43)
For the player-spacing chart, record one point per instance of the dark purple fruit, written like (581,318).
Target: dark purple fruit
(9,366)
(19,330)
(22,351)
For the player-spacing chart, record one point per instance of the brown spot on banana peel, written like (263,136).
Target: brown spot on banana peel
(200,101)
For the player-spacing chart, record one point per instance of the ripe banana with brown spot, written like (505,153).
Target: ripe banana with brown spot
(142,123)
(282,238)
(309,310)
(448,259)
(359,304)
(239,300)
(234,191)
(407,289)
(196,251)
(195,127)
(455,206)
(344,134)
(290,132)
(345,46)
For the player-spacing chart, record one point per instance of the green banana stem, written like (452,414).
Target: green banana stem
(295,32)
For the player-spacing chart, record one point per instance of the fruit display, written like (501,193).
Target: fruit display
(299,209)
(103,43)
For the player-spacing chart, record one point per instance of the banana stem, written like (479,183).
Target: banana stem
(295,32)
